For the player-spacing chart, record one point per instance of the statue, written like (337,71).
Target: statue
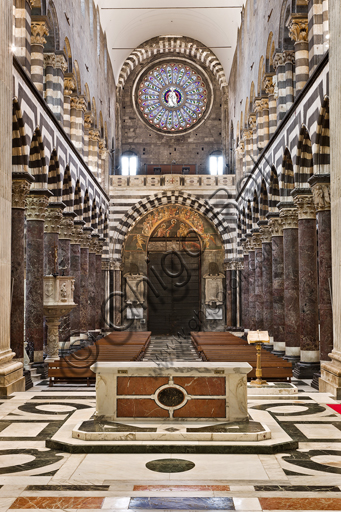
(172,98)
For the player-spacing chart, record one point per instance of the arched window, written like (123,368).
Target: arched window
(129,164)
(216,163)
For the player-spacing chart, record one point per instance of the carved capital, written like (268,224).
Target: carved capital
(268,84)
(247,135)
(66,228)
(69,85)
(289,56)
(102,148)
(258,106)
(321,195)
(88,120)
(38,32)
(106,265)
(94,135)
(266,234)
(298,29)
(265,104)
(99,246)
(305,206)
(49,59)
(53,220)
(77,234)
(85,240)
(117,265)
(256,240)
(20,191)
(289,217)
(252,121)
(278,60)
(61,63)
(36,207)
(78,103)
(276,226)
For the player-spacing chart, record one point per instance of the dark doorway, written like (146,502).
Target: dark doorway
(175,274)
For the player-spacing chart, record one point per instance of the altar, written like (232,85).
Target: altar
(173,392)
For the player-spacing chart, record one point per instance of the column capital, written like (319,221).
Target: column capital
(88,120)
(305,206)
(320,186)
(86,238)
(38,32)
(265,104)
(99,246)
(252,121)
(268,84)
(53,217)
(289,56)
(265,233)
(60,62)
(77,232)
(117,265)
(93,243)
(289,217)
(276,226)
(66,228)
(78,103)
(20,190)
(69,84)
(298,28)
(106,265)
(36,206)
(257,240)
(258,105)
(49,59)
(94,135)
(278,60)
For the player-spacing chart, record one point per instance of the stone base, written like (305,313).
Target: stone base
(28,380)
(330,381)
(42,369)
(268,347)
(315,382)
(272,388)
(291,359)
(11,378)
(306,370)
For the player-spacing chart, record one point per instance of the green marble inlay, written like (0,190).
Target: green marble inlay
(170,465)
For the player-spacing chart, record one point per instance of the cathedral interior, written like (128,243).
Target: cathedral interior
(170,205)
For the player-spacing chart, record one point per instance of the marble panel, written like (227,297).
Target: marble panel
(300,503)
(139,385)
(201,408)
(139,408)
(23,429)
(316,431)
(202,385)
(182,503)
(63,502)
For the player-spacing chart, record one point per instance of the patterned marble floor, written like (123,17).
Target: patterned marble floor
(35,477)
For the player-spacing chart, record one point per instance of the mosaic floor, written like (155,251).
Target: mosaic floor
(35,477)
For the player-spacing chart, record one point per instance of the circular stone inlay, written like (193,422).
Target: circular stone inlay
(15,460)
(170,465)
(171,397)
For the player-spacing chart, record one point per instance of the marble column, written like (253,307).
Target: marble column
(321,192)
(279,65)
(245,287)
(289,78)
(65,237)
(75,271)
(267,291)
(38,32)
(69,89)
(37,203)
(298,31)
(289,217)
(330,381)
(228,292)
(100,288)
(269,88)
(276,227)
(53,218)
(93,284)
(308,285)
(84,282)
(20,189)
(118,300)
(257,244)
(259,111)
(265,116)
(252,303)
(11,372)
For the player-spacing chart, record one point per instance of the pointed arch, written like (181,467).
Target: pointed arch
(287,177)
(252,96)
(87,209)
(54,180)
(94,216)
(264,202)
(53,38)
(322,156)
(68,196)
(78,201)
(19,140)
(246,121)
(255,210)
(37,161)
(274,196)
(249,217)
(87,96)
(94,111)
(304,159)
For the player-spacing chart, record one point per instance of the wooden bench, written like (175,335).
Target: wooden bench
(116,346)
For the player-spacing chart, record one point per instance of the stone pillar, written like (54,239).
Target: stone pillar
(77,109)
(75,271)
(315,23)
(84,282)
(289,78)
(49,64)
(52,223)
(245,287)
(58,87)
(257,244)
(259,112)
(93,151)
(100,287)
(298,31)
(69,88)
(265,115)
(288,215)
(269,88)
(88,120)
(321,191)
(267,292)
(38,32)
(279,65)
(22,33)
(118,300)
(228,298)
(325,18)
(105,313)
(253,128)
(308,285)
(20,188)
(252,303)
(37,203)
(92,282)
(248,150)
(65,236)
(276,227)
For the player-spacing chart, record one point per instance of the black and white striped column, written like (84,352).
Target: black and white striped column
(315,37)
(269,87)
(259,112)
(289,79)
(325,21)
(279,65)
(60,68)
(298,30)
(38,32)
(49,63)
(69,88)
(265,117)
(77,109)
(93,151)
(22,33)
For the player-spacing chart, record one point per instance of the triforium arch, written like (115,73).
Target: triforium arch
(227,233)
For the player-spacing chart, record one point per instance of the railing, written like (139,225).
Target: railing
(173,181)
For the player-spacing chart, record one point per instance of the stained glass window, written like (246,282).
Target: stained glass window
(172,97)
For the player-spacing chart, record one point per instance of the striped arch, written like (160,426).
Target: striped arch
(264,202)
(255,210)
(228,234)
(94,216)
(37,162)
(19,140)
(78,208)
(304,159)
(322,161)
(100,221)
(287,177)
(68,197)
(249,217)
(274,196)
(54,180)
(87,209)
(105,226)
(172,46)
(243,222)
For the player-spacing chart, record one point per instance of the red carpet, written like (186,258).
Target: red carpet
(335,407)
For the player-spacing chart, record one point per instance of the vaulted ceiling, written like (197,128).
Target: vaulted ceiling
(129,23)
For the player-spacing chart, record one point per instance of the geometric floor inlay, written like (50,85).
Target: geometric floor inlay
(170,465)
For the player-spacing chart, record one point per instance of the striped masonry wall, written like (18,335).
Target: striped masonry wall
(272,114)
(289,79)
(22,33)
(38,32)
(265,119)
(315,33)
(301,64)
(279,63)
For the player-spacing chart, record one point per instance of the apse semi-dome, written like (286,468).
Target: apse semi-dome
(173,97)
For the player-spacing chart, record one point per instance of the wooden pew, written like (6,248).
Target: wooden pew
(117,346)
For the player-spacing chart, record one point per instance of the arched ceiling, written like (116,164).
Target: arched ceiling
(128,24)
